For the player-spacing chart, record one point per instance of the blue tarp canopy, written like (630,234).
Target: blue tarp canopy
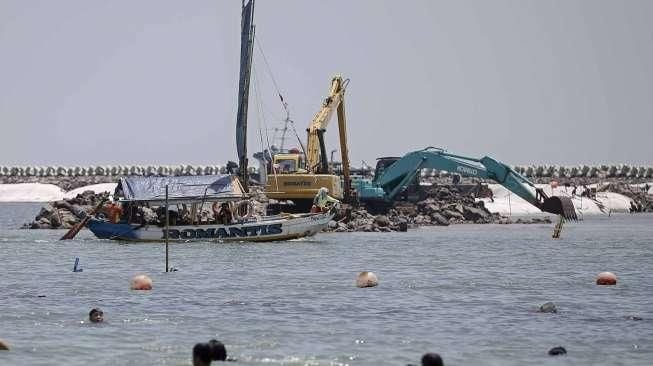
(184,188)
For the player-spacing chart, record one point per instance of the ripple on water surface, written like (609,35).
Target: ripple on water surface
(470,292)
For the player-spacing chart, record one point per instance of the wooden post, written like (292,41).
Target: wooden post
(509,206)
(167,228)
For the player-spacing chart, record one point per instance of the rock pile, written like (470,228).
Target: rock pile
(360,220)
(65,214)
(443,205)
(643,202)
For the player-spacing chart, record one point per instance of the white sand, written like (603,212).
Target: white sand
(30,192)
(507,203)
(38,192)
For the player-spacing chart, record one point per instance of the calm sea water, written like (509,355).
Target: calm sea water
(468,292)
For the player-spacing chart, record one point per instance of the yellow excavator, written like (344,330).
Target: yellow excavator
(297,176)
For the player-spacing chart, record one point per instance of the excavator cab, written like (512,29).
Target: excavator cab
(413,191)
(382,164)
(289,163)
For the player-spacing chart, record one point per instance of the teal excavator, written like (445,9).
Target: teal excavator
(393,177)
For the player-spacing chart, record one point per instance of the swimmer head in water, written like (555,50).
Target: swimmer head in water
(432,359)
(96,315)
(204,353)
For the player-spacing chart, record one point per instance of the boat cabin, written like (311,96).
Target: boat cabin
(191,200)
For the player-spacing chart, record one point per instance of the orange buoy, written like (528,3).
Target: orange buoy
(606,278)
(141,282)
(367,279)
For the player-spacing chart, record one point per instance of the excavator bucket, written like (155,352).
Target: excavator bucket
(560,205)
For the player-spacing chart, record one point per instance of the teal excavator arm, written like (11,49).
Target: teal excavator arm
(398,176)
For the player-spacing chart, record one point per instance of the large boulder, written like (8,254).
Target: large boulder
(68,219)
(367,228)
(43,223)
(382,221)
(46,211)
(453,214)
(476,214)
(54,220)
(438,219)
(422,220)
(47,218)
(444,193)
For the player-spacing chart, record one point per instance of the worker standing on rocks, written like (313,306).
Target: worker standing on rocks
(322,201)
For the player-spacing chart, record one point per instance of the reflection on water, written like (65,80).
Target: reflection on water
(469,292)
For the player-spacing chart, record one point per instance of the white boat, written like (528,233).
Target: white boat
(268,228)
(195,196)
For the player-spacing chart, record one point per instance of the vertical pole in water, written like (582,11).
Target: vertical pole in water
(509,206)
(167,227)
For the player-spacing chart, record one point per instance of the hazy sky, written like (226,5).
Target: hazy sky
(106,82)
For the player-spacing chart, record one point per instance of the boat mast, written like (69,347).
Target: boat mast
(246,48)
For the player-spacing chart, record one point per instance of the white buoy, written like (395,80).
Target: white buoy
(367,279)
(141,282)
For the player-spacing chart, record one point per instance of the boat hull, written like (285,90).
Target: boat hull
(283,227)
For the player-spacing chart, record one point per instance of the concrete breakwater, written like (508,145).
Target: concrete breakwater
(113,170)
(531,171)
(604,171)
(69,178)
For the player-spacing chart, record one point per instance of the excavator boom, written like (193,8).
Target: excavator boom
(398,176)
(301,185)
(316,157)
